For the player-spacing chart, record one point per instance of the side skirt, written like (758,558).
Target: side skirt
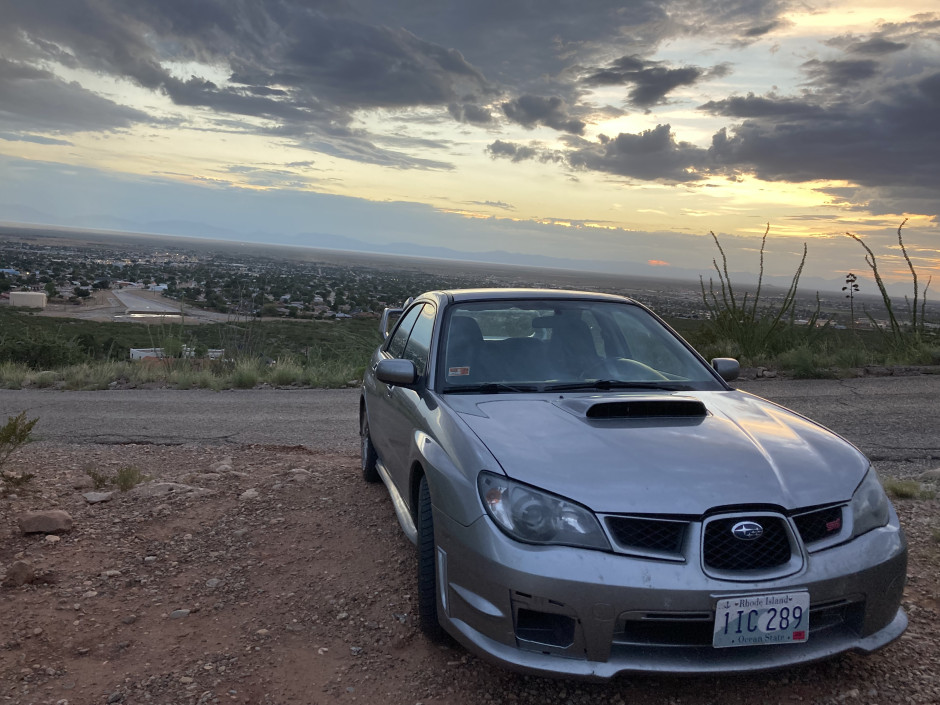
(401,507)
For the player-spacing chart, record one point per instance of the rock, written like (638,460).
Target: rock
(221,465)
(115,697)
(83,483)
(163,489)
(45,522)
(18,574)
(213,583)
(130,619)
(249,494)
(932,475)
(52,538)
(179,614)
(97,497)
(207,477)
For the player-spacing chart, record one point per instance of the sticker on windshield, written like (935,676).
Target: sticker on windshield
(458,371)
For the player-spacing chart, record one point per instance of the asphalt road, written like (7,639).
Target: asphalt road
(895,420)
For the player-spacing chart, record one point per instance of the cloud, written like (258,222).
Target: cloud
(836,73)
(531,111)
(35,100)
(651,155)
(35,139)
(511,151)
(652,81)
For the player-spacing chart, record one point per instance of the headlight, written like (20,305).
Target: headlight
(870,506)
(534,516)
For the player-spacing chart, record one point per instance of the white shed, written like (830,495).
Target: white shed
(32,299)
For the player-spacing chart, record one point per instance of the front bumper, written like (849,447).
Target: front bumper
(572,612)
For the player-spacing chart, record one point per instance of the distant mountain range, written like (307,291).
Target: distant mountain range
(12,215)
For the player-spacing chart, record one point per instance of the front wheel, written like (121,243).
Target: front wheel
(369,457)
(427,568)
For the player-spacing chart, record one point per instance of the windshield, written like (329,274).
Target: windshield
(555,345)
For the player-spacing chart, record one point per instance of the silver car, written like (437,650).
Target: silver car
(590,497)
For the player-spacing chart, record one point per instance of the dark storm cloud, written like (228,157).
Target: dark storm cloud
(753,106)
(467,112)
(531,110)
(876,46)
(35,100)
(838,73)
(307,66)
(887,137)
(511,151)
(652,155)
(652,81)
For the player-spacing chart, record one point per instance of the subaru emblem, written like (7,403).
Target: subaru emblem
(747,530)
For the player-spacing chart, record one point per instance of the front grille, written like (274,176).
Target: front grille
(641,534)
(820,524)
(722,550)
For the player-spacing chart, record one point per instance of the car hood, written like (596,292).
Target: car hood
(740,450)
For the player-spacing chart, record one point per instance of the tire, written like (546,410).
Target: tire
(427,566)
(369,457)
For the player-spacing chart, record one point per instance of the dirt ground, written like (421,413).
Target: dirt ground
(274,575)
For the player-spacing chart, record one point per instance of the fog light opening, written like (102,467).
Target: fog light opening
(555,630)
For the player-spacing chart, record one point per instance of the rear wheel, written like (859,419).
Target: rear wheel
(369,457)
(427,568)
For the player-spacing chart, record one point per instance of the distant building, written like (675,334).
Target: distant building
(31,299)
(10,271)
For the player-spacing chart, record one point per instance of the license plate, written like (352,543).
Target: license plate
(754,620)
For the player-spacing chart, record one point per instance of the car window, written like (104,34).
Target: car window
(419,342)
(530,344)
(396,344)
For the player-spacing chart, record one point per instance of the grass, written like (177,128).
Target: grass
(126,478)
(277,353)
(906,489)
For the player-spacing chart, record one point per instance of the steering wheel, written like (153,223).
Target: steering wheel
(622,368)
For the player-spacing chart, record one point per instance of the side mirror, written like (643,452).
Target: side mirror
(727,368)
(397,372)
(389,316)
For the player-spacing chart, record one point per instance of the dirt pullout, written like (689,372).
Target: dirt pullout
(275,575)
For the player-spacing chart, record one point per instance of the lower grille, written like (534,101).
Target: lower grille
(723,550)
(696,628)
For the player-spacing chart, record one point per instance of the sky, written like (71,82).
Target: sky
(611,134)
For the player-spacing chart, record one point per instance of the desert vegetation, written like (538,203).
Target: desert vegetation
(762,333)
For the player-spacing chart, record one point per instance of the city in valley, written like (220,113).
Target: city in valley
(121,277)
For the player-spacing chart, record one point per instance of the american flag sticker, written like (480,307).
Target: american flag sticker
(458,371)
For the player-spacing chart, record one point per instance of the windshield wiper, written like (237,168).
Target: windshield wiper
(489,388)
(607,384)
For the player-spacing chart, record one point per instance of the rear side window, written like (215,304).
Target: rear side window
(396,344)
(418,346)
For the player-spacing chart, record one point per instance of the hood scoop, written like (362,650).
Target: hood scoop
(646,408)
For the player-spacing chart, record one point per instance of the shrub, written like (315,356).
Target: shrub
(128,477)
(906,489)
(755,329)
(14,434)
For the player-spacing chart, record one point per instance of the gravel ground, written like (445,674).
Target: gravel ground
(275,575)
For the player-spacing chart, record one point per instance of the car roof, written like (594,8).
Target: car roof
(463,295)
